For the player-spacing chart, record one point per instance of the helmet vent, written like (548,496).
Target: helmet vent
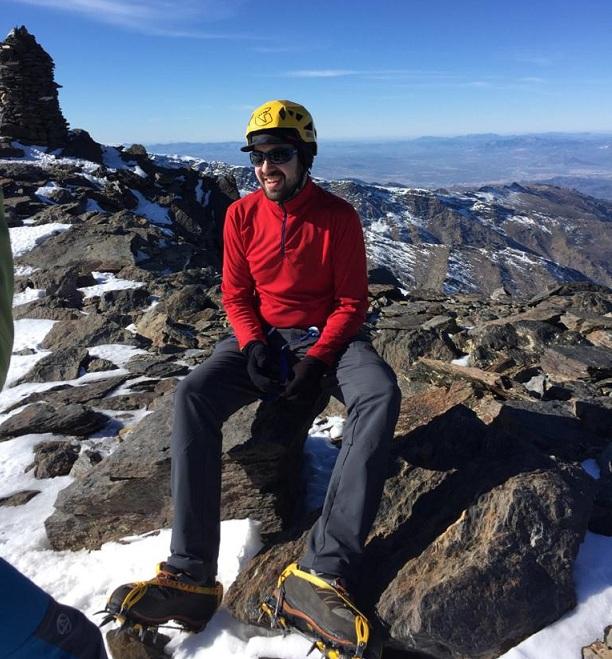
(282,114)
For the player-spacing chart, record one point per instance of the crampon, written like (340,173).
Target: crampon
(143,607)
(320,610)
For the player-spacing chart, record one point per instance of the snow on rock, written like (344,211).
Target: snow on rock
(112,159)
(459,275)
(28,295)
(107,281)
(399,257)
(93,205)
(111,156)
(24,270)
(581,626)
(39,156)
(155,213)
(118,353)
(98,181)
(22,528)
(45,192)
(28,335)
(24,239)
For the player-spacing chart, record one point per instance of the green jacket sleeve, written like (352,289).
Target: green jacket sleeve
(6,296)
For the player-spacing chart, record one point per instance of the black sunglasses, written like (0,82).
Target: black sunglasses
(279,156)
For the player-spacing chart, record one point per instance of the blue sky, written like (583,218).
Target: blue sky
(160,71)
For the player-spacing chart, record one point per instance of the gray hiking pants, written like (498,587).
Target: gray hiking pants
(220,386)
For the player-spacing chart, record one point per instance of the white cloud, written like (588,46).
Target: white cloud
(322,73)
(155,17)
(275,49)
(374,74)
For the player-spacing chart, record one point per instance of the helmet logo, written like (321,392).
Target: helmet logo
(264,117)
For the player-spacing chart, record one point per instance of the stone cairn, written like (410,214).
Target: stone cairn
(29,105)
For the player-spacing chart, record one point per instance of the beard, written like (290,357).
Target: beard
(278,186)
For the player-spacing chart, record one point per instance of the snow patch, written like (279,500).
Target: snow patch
(155,213)
(28,334)
(107,281)
(45,192)
(118,353)
(28,295)
(24,239)
(25,270)
(93,205)
(39,156)
(111,156)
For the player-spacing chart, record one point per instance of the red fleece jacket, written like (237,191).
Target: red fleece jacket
(297,264)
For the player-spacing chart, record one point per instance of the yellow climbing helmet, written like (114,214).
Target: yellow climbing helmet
(279,116)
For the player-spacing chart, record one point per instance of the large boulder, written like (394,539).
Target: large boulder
(573,362)
(65,394)
(450,575)
(92,247)
(90,330)
(485,580)
(81,145)
(73,419)
(129,492)
(63,364)
(125,494)
(54,458)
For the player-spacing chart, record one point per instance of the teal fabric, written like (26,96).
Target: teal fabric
(6,296)
(35,626)
(22,607)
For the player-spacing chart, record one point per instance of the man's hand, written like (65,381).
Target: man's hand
(262,368)
(307,374)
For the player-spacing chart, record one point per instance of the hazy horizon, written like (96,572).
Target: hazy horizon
(579,160)
(450,136)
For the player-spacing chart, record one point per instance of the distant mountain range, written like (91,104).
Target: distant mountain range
(579,160)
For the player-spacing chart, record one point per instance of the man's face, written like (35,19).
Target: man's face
(278,182)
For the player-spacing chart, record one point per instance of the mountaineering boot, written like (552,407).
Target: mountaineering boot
(170,595)
(319,607)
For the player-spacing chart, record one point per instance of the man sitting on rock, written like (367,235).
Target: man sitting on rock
(295,292)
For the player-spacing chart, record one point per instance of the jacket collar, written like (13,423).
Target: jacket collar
(295,204)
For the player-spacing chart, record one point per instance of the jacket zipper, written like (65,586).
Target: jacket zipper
(283,230)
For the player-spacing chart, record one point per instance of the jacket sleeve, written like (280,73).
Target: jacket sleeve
(350,288)
(237,286)
(6,296)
